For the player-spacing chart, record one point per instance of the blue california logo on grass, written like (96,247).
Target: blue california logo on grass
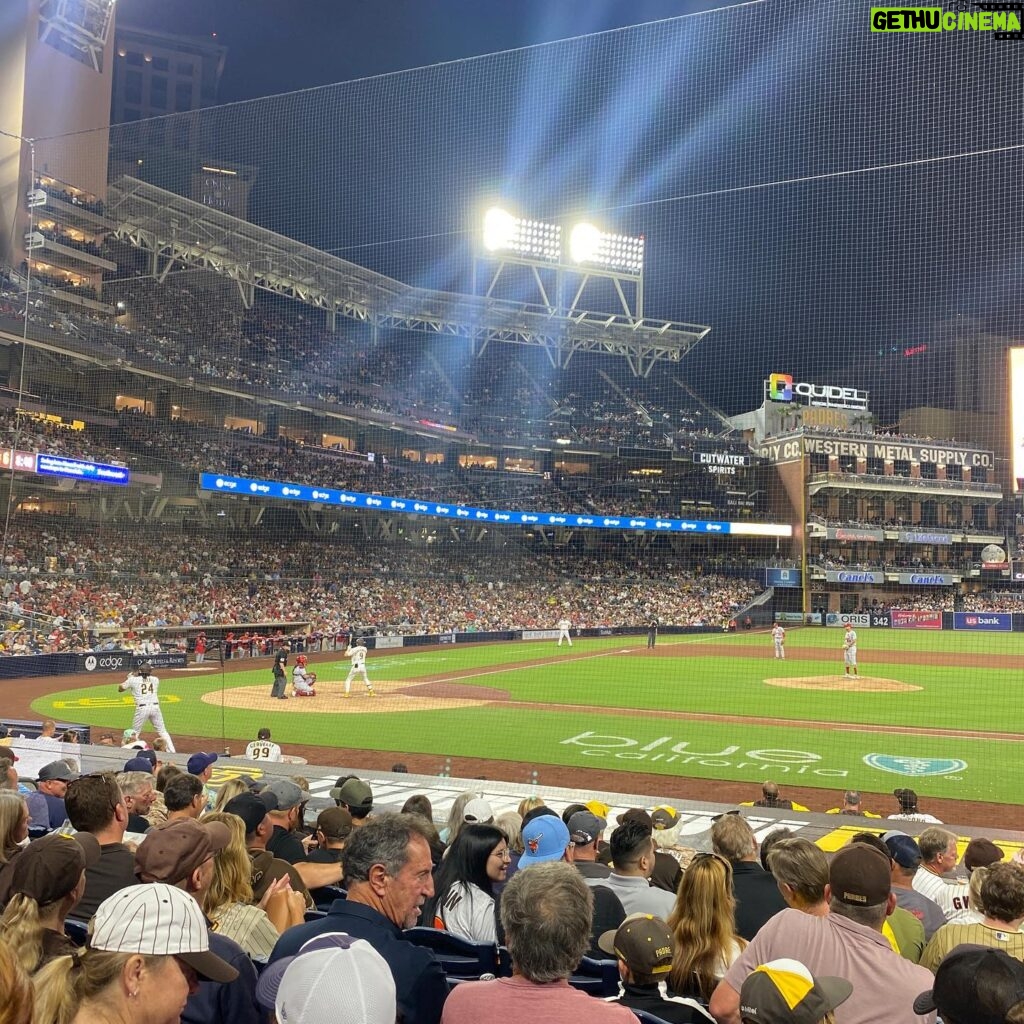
(914,765)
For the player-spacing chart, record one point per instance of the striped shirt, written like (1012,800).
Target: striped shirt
(956,934)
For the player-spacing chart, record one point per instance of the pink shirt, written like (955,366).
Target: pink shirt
(885,985)
(516,999)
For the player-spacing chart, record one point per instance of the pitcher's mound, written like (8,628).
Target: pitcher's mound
(848,684)
(392,697)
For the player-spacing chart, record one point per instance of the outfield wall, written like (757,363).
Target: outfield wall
(914,618)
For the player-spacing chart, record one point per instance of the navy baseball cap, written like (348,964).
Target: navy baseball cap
(138,764)
(198,763)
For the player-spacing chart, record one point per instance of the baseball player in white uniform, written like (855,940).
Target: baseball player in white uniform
(261,749)
(303,681)
(145,689)
(850,650)
(779,639)
(358,655)
(564,626)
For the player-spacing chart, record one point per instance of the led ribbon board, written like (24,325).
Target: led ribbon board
(78,469)
(220,484)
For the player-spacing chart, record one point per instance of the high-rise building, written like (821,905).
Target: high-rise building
(55,80)
(156,73)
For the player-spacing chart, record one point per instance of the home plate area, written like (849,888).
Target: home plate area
(847,684)
(393,696)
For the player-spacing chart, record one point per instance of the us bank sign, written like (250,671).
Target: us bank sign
(780,387)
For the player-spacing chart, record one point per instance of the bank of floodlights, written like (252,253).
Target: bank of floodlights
(588,246)
(504,232)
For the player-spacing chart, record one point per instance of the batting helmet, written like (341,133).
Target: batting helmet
(145,668)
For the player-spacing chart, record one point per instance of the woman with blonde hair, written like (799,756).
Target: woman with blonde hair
(228,791)
(18,999)
(703,923)
(148,949)
(801,872)
(228,902)
(456,816)
(41,887)
(14,818)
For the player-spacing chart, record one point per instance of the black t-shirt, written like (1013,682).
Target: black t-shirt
(323,895)
(137,823)
(649,999)
(286,845)
(114,871)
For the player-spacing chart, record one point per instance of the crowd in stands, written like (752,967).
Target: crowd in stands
(209,905)
(106,577)
(281,348)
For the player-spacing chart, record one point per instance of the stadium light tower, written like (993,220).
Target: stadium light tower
(509,240)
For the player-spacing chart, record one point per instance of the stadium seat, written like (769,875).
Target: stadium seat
(597,977)
(461,960)
(648,1018)
(76,931)
(328,894)
(315,915)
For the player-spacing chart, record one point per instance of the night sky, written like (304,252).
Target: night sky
(815,192)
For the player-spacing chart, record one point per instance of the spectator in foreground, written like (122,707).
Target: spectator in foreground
(633,850)
(848,940)
(181,854)
(39,888)
(934,879)
(227,901)
(906,859)
(388,873)
(14,824)
(184,797)
(464,901)
(976,986)
(546,915)
(266,868)
(644,948)
(95,805)
(1002,896)
(800,869)
(19,999)
(785,991)
(149,948)
(757,896)
(703,928)
(334,979)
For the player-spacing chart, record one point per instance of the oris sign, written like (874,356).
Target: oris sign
(780,387)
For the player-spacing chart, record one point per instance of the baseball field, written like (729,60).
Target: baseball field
(938,711)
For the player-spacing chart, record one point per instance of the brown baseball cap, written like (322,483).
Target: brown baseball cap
(859,875)
(49,868)
(982,853)
(334,822)
(643,942)
(172,852)
(637,814)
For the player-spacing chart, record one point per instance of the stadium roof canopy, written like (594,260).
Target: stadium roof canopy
(183,231)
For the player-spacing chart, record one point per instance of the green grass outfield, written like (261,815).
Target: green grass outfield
(560,725)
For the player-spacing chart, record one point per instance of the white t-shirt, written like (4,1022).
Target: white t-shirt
(263,750)
(145,689)
(467,911)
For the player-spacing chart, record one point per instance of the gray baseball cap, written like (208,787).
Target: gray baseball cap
(285,795)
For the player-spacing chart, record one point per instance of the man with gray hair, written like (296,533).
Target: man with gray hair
(938,859)
(546,914)
(139,794)
(388,872)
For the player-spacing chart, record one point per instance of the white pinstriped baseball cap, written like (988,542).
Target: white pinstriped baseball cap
(155,919)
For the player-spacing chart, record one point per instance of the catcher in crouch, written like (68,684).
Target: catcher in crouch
(303,681)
